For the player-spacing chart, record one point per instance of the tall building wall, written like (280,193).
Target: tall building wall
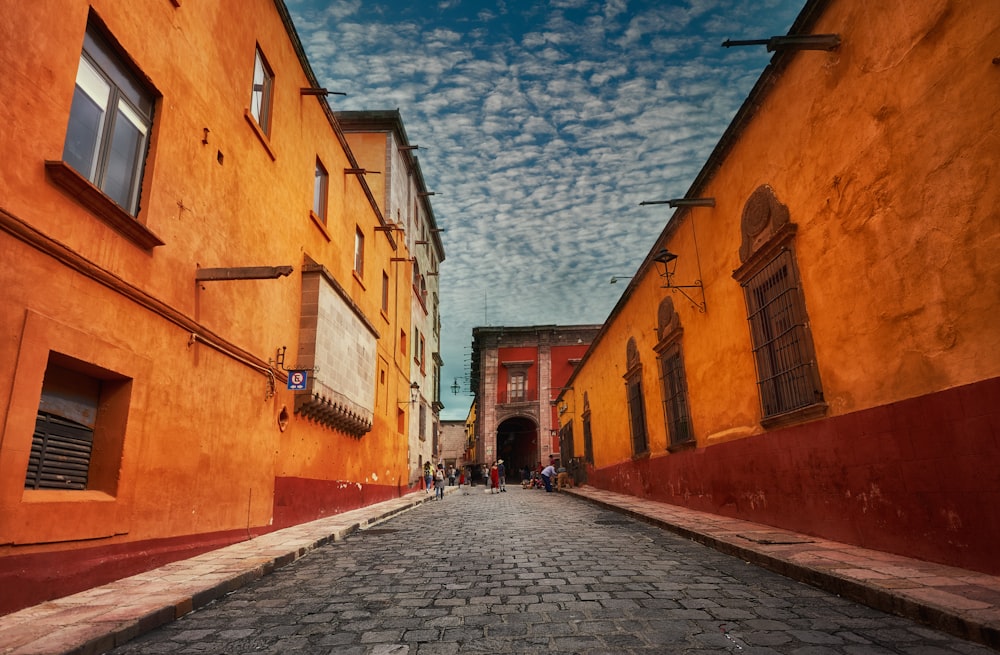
(859,185)
(165,328)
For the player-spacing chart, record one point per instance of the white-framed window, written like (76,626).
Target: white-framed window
(385,292)
(109,123)
(260,94)
(320,187)
(359,252)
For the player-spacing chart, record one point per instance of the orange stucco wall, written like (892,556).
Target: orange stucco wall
(203,456)
(884,152)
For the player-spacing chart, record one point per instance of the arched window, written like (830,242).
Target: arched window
(673,379)
(787,375)
(634,397)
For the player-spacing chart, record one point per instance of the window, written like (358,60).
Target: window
(515,387)
(787,375)
(109,123)
(422,354)
(76,444)
(635,400)
(675,405)
(260,95)
(320,187)
(359,252)
(786,371)
(385,292)
(673,380)
(588,436)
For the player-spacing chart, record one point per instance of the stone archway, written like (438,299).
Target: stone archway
(517,445)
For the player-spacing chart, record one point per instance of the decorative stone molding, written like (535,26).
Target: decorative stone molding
(763,217)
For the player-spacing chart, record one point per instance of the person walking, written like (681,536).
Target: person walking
(494,478)
(439,483)
(547,474)
(428,477)
(501,476)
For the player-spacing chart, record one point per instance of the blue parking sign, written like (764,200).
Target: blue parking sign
(296,380)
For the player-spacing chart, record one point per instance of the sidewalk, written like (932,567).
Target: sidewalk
(963,603)
(960,602)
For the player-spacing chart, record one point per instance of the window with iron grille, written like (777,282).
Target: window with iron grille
(588,437)
(634,397)
(673,379)
(675,402)
(787,377)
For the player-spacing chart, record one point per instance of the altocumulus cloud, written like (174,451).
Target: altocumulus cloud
(545,124)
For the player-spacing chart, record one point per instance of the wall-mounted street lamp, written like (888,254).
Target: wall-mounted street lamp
(666,264)
(455,388)
(666,261)
(615,278)
(792,42)
(414,394)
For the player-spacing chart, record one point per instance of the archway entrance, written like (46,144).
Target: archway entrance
(517,446)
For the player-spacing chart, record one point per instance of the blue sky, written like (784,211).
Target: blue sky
(542,126)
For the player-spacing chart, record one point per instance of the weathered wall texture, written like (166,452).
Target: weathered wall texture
(884,153)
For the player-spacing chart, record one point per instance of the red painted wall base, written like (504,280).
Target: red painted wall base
(919,478)
(300,500)
(27,580)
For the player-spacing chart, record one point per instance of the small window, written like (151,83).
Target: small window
(515,387)
(76,444)
(635,400)
(588,436)
(385,292)
(260,95)
(320,186)
(109,123)
(359,252)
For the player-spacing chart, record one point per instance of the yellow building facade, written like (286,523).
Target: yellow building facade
(811,342)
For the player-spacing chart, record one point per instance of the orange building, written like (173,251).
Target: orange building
(825,297)
(199,328)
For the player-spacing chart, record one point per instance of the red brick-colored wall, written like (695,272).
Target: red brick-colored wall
(917,477)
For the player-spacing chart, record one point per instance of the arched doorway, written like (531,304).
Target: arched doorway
(517,445)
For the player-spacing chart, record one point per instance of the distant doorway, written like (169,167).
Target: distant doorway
(517,446)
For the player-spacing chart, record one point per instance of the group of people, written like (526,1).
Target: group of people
(497,476)
(551,477)
(555,474)
(435,478)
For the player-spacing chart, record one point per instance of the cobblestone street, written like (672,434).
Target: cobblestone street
(527,572)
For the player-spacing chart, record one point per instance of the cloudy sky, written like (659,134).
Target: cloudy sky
(542,126)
